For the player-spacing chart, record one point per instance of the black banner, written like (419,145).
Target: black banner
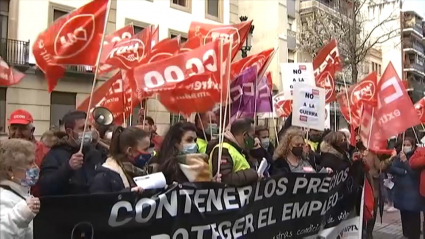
(291,206)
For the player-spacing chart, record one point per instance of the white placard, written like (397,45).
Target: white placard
(151,181)
(327,116)
(294,73)
(308,108)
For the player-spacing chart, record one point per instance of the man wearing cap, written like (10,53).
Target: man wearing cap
(21,127)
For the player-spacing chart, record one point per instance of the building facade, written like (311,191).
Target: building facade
(336,9)
(21,21)
(413,54)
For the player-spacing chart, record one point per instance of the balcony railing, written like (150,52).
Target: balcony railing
(414,66)
(412,25)
(329,6)
(80,69)
(14,52)
(413,44)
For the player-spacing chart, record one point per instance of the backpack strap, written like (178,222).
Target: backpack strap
(12,190)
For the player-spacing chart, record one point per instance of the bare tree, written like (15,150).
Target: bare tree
(357,25)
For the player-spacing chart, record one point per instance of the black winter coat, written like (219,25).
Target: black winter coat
(58,178)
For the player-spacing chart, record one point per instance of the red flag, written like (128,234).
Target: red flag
(198,93)
(210,32)
(420,107)
(155,36)
(164,74)
(130,53)
(163,50)
(364,92)
(259,60)
(395,112)
(282,107)
(269,80)
(72,40)
(109,95)
(119,35)
(8,75)
(325,64)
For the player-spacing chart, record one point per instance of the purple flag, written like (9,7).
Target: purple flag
(264,97)
(242,94)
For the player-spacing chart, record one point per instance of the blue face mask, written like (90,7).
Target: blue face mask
(142,159)
(31,177)
(191,148)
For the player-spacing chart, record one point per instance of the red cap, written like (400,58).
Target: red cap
(20,117)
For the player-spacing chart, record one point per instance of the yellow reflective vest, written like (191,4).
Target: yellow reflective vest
(239,161)
(202,145)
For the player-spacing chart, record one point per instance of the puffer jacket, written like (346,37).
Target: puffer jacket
(406,185)
(15,215)
(330,157)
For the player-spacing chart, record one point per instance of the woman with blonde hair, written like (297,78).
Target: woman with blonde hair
(18,173)
(291,154)
(335,151)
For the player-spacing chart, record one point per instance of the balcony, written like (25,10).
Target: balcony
(14,52)
(335,8)
(411,43)
(292,40)
(415,68)
(413,22)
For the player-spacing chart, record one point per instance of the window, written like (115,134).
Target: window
(174,34)
(61,103)
(379,69)
(4,18)
(58,14)
(291,61)
(2,109)
(182,5)
(137,29)
(213,10)
(137,25)
(174,118)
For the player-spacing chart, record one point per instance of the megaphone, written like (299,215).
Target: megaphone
(103,116)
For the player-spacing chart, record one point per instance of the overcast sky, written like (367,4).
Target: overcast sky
(415,5)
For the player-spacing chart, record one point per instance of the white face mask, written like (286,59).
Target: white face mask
(407,149)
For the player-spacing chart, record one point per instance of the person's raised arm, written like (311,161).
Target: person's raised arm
(56,172)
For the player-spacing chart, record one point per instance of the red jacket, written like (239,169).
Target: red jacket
(157,141)
(417,161)
(40,151)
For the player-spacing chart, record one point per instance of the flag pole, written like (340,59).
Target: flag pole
(96,72)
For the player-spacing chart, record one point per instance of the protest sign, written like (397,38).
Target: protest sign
(296,73)
(290,206)
(309,107)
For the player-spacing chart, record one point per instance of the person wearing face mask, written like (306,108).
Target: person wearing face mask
(291,155)
(65,169)
(128,148)
(263,134)
(334,151)
(235,166)
(148,124)
(21,127)
(178,158)
(206,128)
(406,190)
(18,172)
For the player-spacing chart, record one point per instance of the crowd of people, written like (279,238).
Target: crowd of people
(112,156)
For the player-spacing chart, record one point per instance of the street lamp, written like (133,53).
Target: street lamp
(245,49)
